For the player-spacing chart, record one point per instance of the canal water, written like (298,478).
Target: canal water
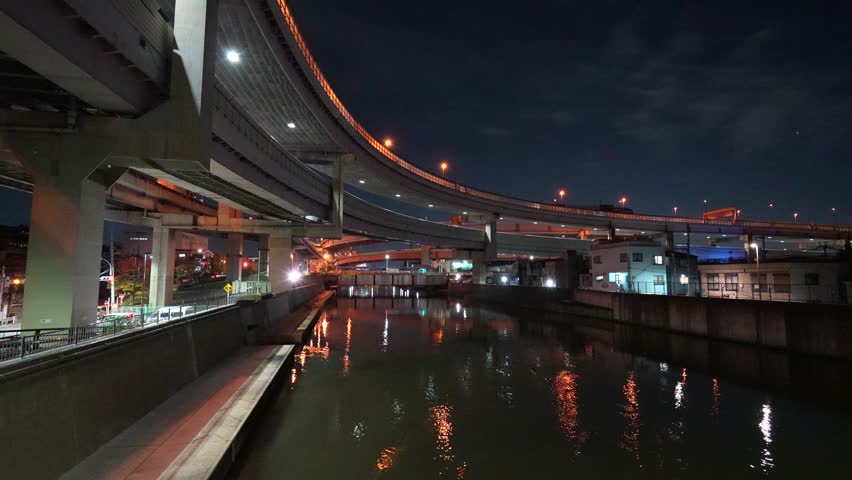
(431,388)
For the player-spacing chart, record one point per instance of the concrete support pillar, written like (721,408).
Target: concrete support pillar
(64,252)
(234,251)
(748,239)
(426,256)
(263,255)
(161,286)
(280,260)
(610,234)
(480,270)
(491,241)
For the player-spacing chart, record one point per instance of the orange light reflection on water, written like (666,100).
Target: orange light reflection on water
(630,439)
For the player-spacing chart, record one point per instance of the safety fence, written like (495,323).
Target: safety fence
(774,292)
(21,343)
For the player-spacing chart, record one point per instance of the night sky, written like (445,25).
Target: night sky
(738,103)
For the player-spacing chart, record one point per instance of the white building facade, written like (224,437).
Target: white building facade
(631,266)
(788,281)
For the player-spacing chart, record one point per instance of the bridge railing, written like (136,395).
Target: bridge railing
(22,343)
(323,83)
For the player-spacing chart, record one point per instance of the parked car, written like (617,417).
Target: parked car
(169,313)
(119,319)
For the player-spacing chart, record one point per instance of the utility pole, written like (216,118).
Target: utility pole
(3,290)
(111,271)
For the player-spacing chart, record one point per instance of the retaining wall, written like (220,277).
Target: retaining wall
(817,329)
(57,409)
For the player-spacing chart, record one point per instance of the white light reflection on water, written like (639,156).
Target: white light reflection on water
(385,334)
(766,460)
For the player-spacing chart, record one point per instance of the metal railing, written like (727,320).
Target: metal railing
(22,343)
(250,287)
(801,293)
(431,177)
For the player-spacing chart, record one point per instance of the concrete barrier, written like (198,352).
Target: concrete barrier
(57,409)
(816,329)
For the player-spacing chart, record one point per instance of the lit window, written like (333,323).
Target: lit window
(658,259)
(599,278)
(731,282)
(712,281)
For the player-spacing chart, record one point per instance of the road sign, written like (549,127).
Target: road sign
(228,287)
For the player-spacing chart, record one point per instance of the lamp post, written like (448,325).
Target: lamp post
(111,284)
(623,201)
(561,195)
(757,259)
(795,217)
(705,206)
(387,260)
(444,166)
(675,211)
(834,213)
(388,142)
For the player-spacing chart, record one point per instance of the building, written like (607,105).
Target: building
(641,266)
(784,280)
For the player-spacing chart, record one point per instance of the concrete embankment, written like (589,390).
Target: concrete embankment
(815,329)
(57,409)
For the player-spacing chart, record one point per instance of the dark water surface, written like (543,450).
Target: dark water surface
(429,388)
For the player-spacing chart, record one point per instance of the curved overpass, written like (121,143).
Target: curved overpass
(411,254)
(267,28)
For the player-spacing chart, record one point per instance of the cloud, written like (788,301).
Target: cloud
(495,131)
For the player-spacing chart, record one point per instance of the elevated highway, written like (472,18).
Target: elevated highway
(225,99)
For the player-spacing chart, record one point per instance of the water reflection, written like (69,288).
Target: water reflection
(507,399)
(766,461)
(630,439)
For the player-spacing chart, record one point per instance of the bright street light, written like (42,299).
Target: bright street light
(444,167)
(675,211)
(796,217)
(388,142)
(387,259)
(294,276)
(504,279)
(232,56)
(623,201)
(561,195)
(549,283)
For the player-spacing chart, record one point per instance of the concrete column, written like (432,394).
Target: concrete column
(426,256)
(491,241)
(263,255)
(479,271)
(162,283)
(280,261)
(234,251)
(64,252)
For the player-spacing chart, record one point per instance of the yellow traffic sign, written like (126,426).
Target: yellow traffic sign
(228,287)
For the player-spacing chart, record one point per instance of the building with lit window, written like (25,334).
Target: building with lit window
(783,280)
(640,266)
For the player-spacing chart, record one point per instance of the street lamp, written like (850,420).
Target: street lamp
(561,195)
(444,166)
(705,205)
(757,259)
(622,202)
(834,213)
(795,217)
(388,142)
(111,284)
(387,259)
(675,211)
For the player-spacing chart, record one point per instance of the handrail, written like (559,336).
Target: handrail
(379,147)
